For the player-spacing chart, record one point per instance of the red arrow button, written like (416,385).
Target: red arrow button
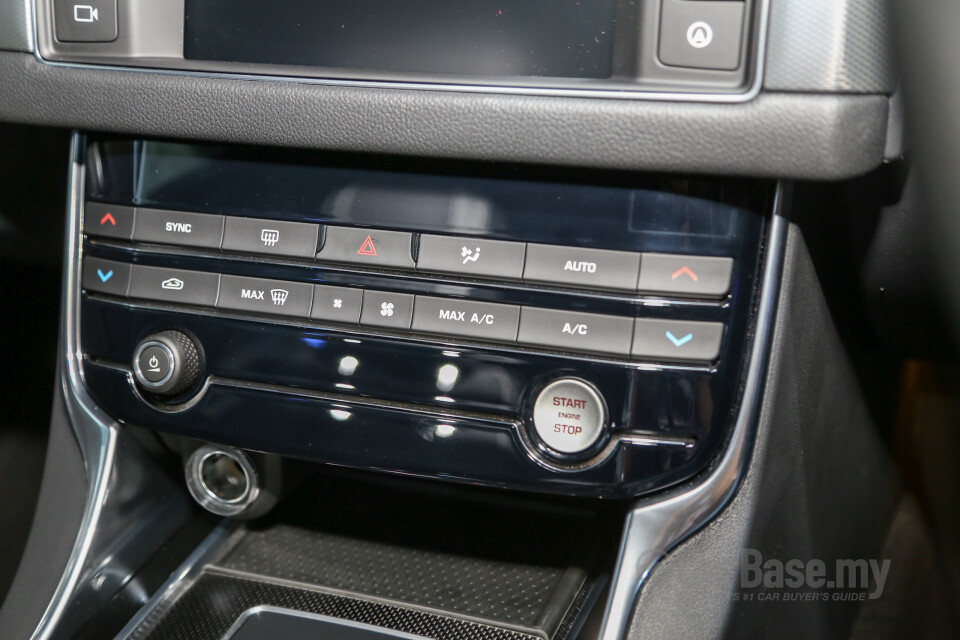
(108,218)
(684,271)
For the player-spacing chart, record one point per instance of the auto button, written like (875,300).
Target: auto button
(582,268)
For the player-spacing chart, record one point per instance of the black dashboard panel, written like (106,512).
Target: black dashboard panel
(453,402)
(465,37)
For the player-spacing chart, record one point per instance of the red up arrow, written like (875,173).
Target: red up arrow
(108,218)
(684,271)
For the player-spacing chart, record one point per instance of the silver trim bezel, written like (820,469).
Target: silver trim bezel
(656,525)
(142,379)
(118,528)
(652,529)
(205,496)
(752,91)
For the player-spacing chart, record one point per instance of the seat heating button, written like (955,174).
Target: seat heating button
(569,416)
(582,268)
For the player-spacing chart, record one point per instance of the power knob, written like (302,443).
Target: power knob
(166,363)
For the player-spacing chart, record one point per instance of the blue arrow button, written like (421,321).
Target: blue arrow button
(679,342)
(105,276)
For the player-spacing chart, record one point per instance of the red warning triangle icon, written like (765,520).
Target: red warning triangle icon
(367,248)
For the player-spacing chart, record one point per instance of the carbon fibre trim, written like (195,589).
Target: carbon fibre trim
(520,595)
(215,602)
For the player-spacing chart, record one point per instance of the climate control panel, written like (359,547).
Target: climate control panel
(531,331)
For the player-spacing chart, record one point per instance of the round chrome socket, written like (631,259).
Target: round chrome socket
(222,480)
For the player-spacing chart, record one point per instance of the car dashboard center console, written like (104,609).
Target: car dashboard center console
(569,334)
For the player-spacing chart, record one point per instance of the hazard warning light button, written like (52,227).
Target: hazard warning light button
(368,247)
(569,416)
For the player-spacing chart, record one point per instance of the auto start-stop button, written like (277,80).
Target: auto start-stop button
(569,415)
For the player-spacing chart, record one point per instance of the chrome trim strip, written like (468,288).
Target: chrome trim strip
(129,505)
(657,525)
(213,546)
(383,631)
(668,96)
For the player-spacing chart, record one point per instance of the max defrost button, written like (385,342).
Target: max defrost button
(256,295)
(569,415)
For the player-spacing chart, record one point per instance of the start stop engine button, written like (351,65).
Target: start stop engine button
(569,415)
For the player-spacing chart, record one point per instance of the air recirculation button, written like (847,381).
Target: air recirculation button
(166,363)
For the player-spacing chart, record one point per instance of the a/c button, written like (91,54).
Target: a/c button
(575,331)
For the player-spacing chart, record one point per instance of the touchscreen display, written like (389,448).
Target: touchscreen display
(513,38)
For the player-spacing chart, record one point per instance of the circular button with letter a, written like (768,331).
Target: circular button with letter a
(569,416)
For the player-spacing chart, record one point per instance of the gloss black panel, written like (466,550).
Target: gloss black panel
(559,38)
(389,438)
(393,380)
